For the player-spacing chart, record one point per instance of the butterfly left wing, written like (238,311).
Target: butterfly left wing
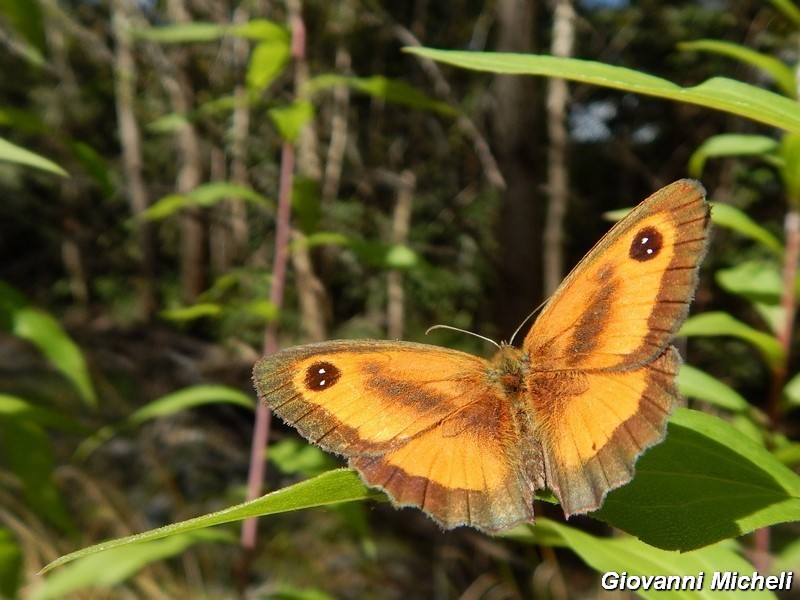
(603,372)
(422,423)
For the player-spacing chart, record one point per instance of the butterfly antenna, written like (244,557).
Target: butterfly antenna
(525,320)
(477,335)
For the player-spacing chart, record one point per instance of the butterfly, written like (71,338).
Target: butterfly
(469,441)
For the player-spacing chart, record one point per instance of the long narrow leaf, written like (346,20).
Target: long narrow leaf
(771,66)
(718,93)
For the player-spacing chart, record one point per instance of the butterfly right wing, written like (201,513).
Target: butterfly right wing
(602,368)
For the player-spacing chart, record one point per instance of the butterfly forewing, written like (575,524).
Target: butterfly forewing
(625,300)
(420,422)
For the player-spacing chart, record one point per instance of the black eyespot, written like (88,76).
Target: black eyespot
(321,375)
(646,245)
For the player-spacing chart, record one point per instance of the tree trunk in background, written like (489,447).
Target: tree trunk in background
(230,231)
(130,139)
(194,255)
(517,135)
(557,160)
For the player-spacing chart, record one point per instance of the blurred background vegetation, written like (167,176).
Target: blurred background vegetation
(135,292)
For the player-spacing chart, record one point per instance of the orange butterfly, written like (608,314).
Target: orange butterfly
(469,441)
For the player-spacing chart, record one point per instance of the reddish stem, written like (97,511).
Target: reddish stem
(255,479)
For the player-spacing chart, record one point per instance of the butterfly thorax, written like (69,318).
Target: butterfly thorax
(509,369)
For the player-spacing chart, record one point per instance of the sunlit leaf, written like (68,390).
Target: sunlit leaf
(730,217)
(18,408)
(27,20)
(757,281)
(390,90)
(613,557)
(674,503)
(266,62)
(333,487)
(261,30)
(183,33)
(191,397)
(718,93)
(790,173)
(200,310)
(203,196)
(290,120)
(118,564)
(17,154)
(168,123)
(732,144)
(263,309)
(292,457)
(791,391)
(43,331)
(788,9)
(697,384)
(721,323)
(769,65)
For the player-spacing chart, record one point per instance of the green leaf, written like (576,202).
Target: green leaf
(731,144)
(10,564)
(788,557)
(306,203)
(27,19)
(261,30)
(203,196)
(324,238)
(169,123)
(770,66)
(292,457)
(290,120)
(697,384)
(266,62)
(333,487)
(721,323)
(119,564)
(94,164)
(737,220)
(757,281)
(44,332)
(386,256)
(263,309)
(190,397)
(288,592)
(17,408)
(613,557)
(29,455)
(788,9)
(201,310)
(183,399)
(17,154)
(790,173)
(390,90)
(791,391)
(718,93)
(183,33)
(674,502)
